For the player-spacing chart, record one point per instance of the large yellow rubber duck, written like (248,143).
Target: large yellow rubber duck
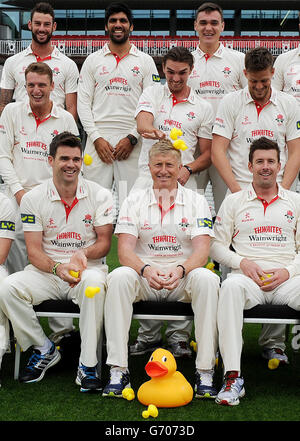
(167,387)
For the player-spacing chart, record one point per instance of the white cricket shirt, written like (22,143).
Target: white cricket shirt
(66,229)
(287,73)
(24,144)
(241,120)
(109,89)
(216,75)
(267,233)
(165,238)
(65,74)
(194,116)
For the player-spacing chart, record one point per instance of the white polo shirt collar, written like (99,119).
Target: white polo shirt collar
(191,98)
(54,54)
(251,194)
(132,51)
(81,191)
(219,52)
(248,98)
(179,200)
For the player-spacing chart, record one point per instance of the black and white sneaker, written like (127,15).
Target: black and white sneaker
(38,364)
(88,379)
(119,380)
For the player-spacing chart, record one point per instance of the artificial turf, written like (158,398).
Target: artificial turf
(270,395)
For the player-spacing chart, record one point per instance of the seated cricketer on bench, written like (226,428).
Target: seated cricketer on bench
(67,224)
(162,259)
(262,224)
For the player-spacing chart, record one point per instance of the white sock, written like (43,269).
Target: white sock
(45,348)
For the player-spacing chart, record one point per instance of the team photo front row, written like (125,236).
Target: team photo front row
(166,235)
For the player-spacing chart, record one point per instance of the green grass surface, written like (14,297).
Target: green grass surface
(270,395)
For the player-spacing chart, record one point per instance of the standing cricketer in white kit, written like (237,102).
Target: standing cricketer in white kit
(287,72)
(7,235)
(217,71)
(111,82)
(262,223)
(65,72)
(161,109)
(26,132)
(162,260)
(245,115)
(68,226)
(175,105)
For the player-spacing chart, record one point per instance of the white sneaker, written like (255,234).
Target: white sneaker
(271,353)
(232,390)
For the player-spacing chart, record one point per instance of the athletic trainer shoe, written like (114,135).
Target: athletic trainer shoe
(180,349)
(232,389)
(141,347)
(38,364)
(119,380)
(271,353)
(204,386)
(88,379)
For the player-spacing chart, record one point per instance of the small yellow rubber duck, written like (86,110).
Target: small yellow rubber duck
(151,411)
(91,291)
(128,394)
(87,159)
(167,387)
(179,144)
(264,277)
(174,133)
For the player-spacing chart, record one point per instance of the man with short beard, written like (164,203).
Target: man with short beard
(65,72)
(110,84)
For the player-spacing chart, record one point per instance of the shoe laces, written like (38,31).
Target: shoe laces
(182,344)
(278,351)
(116,375)
(33,360)
(230,379)
(206,377)
(89,372)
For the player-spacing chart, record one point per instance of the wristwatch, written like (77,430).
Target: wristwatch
(133,140)
(188,169)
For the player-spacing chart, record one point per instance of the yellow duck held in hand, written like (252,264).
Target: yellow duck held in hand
(167,387)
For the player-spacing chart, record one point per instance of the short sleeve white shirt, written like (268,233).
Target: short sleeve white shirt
(109,89)
(165,239)
(212,78)
(194,116)
(63,234)
(25,141)
(238,119)
(267,233)
(65,74)
(287,73)
(7,218)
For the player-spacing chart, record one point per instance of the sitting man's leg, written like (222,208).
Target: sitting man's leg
(202,287)
(18,293)
(237,293)
(91,303)
(125,287)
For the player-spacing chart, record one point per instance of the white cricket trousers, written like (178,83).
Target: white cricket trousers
(21,290)
(125,286)
(4,324)
(123,173)
(17,260)
(239,292)
(150,330)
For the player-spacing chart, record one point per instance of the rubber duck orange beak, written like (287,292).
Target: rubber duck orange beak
(156,369)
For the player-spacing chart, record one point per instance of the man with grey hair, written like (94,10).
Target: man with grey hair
(163,262)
